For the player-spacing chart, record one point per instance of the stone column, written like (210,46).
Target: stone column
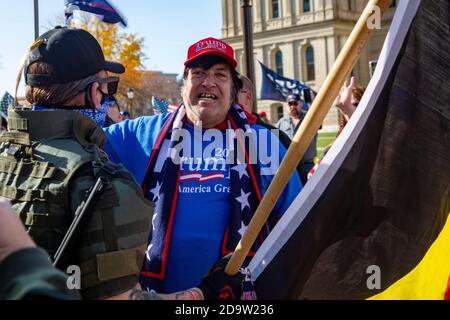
(287,49)
(224,19)
(257,15)
(237,17)
(286,12)
(259,57)
(230,16)
(297,60)
(267,10)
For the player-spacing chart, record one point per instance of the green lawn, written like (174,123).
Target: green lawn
(324,139)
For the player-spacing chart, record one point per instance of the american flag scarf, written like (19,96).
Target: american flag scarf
(161,185)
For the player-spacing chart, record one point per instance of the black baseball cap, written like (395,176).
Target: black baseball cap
(74,54)
(293,98)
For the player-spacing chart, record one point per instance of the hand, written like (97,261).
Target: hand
(218,285)
(13,236)
(344,99)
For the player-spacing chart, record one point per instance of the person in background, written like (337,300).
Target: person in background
(113,114)
(347,101)
(125,115)
(289,124)
(246,99)
(4,122)
(263,116)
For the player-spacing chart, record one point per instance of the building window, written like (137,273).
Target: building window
(350,7)
(306,5)
(277,112)
(275,9)
(279,62)
(310,70)
(280,113)
(394,3)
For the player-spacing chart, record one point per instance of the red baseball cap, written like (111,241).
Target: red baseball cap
(211,46)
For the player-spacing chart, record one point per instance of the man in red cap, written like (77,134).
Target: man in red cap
(200,167)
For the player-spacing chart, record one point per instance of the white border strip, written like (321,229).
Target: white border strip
(301,206)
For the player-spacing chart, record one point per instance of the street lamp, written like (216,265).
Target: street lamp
(130,94)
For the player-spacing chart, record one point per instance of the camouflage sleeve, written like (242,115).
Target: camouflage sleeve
(113,243)
(28,274)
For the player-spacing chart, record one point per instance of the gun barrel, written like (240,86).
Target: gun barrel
(80,219)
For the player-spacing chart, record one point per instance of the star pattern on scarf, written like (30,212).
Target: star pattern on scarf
(243,200)
(241,231)
(147,253)
(241,169)
(153,220)
(156,191)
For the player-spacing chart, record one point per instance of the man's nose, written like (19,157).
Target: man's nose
(209,80)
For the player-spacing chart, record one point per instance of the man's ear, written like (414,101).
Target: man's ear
(96,96)
(250,96)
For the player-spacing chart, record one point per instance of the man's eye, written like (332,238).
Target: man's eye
(197,73)
(221,75)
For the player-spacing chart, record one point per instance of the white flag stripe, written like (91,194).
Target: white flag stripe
(172,108)
(213,177)
(200,177)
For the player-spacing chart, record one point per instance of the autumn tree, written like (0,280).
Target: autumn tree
(126,48)
(163,86)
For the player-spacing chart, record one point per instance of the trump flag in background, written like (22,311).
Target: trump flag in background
(277,87)
(101,8)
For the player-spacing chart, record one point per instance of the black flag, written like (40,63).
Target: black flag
(373,218)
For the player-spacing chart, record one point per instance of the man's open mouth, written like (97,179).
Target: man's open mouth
(207,96)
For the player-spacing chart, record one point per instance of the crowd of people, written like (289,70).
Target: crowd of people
(163,223)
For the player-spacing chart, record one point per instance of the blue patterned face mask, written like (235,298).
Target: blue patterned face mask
(99,116)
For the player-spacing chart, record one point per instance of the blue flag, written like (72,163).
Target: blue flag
(6,102)
(102,8)
(276,87)
(163,106)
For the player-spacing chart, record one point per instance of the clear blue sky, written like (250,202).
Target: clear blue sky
(168,27)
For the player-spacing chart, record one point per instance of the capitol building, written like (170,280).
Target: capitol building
(301,39)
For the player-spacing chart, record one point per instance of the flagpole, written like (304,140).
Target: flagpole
(308,129)
(248,43)
(36,19)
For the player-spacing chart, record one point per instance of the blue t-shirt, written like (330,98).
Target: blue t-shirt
(204,200)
